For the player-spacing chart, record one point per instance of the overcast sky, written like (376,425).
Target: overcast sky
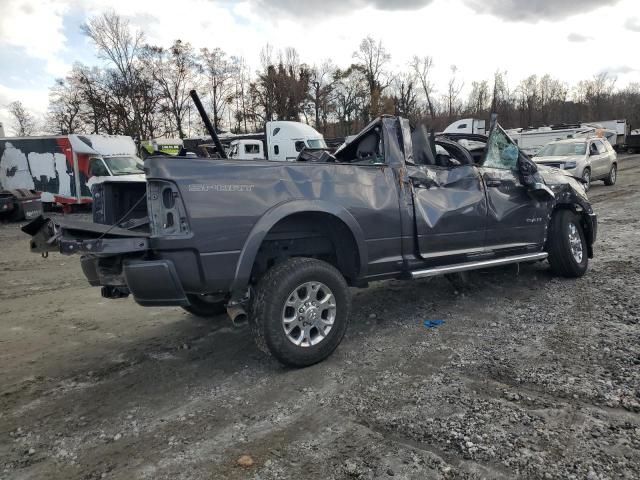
(570,39)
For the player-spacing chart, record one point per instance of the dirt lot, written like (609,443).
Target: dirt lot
(529,376)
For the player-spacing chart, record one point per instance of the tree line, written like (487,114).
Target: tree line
(143,91)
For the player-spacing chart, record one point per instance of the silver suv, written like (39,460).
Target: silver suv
(586,158)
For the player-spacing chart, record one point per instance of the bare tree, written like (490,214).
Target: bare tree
(240,95)
(350,99)
(219,73)
(24,124)
(479,97)
(65,108)
(421,67)
(404,98)
(281,90)
(527,94)
(321,89)
(119,44)
(454,87)
(372,58)
(174,71)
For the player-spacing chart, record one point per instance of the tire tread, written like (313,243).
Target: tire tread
(272,282)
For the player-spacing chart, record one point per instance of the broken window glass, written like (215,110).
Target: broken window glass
(501,151)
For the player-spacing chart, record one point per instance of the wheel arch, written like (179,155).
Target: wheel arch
(287,210)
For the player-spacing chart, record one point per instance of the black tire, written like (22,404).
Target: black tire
(561,258)
(612,177)
(267,310)
(201,306)
(586,175)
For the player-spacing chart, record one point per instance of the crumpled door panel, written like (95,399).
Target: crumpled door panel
(450,211)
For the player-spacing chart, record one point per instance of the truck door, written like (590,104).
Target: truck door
(450,208)
(516,222)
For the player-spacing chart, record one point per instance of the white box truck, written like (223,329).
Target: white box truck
(63,168)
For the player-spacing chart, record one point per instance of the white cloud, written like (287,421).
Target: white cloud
(35,26)
(34,100)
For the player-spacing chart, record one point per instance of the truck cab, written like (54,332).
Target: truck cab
(246,150)
(285,140)
(467,125)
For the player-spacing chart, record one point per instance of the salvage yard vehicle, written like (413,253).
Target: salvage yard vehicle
(280,244)
(586,158)
(167,146)
(19,204)
(282,141)
(63,168)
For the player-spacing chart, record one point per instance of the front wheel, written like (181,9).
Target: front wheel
(300,311)
(586,178)
(205,305)
(567,246)
(613,176)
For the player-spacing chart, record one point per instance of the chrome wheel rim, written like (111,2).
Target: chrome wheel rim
(612,175)
(308,314)
(575,243)
(586,176)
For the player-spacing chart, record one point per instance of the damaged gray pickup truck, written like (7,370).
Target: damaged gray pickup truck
(281,243)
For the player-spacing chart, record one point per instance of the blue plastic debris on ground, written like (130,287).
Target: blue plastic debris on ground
(433,323)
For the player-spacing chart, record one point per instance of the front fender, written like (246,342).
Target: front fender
(277,213)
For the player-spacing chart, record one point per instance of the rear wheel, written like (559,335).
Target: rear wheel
(300,311)
(205,305)
(567,246)
(613,175)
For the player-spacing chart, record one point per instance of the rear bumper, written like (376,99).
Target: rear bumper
(153,283)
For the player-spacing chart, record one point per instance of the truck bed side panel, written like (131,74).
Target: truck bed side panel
(226,199)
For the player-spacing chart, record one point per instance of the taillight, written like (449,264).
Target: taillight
(167,214)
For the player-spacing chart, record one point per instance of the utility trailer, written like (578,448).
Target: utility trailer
(19,204)
(632,142)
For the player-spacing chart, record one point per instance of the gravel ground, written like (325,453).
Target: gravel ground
(529,376)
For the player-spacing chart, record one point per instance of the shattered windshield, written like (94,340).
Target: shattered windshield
(317,143)
(563,149)
(124,165)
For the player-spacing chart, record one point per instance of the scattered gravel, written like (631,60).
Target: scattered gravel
(529,376)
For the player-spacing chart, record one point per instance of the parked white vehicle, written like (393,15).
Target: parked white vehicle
(246,149)
(467,125)
(283,141)
(621,129)
(589,158)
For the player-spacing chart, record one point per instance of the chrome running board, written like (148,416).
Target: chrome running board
(462,267)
